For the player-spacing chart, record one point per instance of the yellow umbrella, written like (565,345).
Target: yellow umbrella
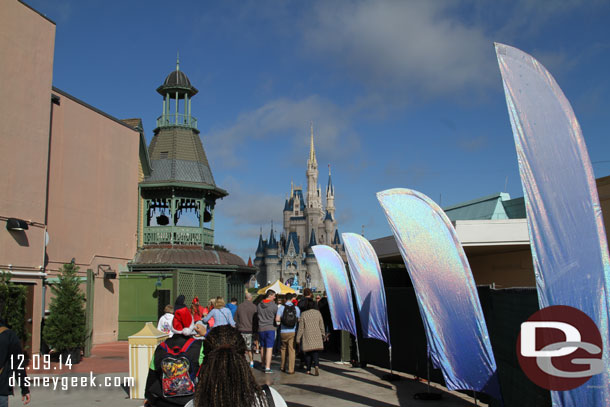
(278,287)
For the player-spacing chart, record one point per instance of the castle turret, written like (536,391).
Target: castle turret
(305,223)
(272,245)
(336,243)
(312,240)
(328,228)
(313,210)
(287,213)
(271,259)
(312,175)
(259,259)
(330,196)
(260,250)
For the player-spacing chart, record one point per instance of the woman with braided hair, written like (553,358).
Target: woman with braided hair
(225,379)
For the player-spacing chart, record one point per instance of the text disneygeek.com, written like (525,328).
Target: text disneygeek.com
(67,382)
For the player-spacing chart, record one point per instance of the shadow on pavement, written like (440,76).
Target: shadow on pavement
(342,395)
(343,372)
(406,388)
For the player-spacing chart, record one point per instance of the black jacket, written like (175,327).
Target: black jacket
(10,350)
(154,389)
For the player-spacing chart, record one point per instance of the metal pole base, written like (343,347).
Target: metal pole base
(356,363)
(391,377)
(427,396)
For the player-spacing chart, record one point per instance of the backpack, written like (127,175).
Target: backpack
(289,316)
(178,379)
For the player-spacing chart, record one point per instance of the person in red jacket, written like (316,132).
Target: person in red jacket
(197,310)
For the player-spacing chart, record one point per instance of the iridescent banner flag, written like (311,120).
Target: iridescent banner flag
(458,341)
(337,287)
(368,286)
(567,234)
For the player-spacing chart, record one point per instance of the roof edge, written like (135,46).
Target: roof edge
(477,200)
(38,12)
(88,106)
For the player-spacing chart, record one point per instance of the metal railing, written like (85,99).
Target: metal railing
(176,120)
(179,235)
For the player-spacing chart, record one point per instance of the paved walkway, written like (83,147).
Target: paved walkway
(338,385)
(105,358)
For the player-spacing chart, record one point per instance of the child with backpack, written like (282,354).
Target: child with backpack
(173,371)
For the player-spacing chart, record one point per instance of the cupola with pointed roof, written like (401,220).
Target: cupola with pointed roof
(176,206)
(177,88)
(181,185)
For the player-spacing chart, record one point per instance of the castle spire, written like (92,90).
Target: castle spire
(330,198)
(312,150)
(313,193)
(272,241)
(177,60)
(261,244)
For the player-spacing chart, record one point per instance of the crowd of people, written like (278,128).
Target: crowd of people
(207,360)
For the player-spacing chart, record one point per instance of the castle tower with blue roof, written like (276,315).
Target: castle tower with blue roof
(306,223)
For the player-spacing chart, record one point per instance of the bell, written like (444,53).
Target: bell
(162,220)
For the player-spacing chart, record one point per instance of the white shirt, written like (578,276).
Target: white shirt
(277,399)
(165,324)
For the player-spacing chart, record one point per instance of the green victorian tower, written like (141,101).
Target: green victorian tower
(181,181)
(176,251)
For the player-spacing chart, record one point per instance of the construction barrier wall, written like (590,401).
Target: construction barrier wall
(504,311)
(140,296)
(191,283)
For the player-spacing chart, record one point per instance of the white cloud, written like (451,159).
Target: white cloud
(288,119)
(240,216)
(249,209)
(402,46)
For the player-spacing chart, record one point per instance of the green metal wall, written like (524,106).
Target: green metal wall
(138,300)
(236,287)
(139,294)
(192,284)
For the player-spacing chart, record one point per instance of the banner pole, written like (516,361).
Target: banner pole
(428,395)
(391,377)
(428,369)
(357,350)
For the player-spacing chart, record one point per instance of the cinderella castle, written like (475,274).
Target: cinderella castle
(306,223)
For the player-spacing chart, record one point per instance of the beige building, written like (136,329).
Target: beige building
(70,173)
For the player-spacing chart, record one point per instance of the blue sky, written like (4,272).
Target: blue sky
(401,93)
